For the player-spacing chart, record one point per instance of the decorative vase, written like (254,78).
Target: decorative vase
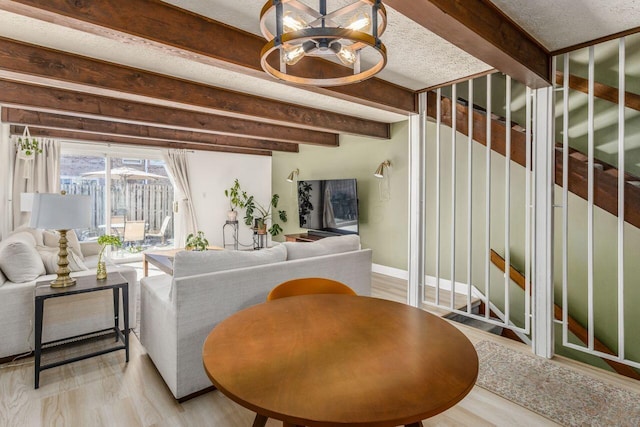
(101,271)
(232,215)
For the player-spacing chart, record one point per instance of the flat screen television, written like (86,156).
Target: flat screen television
(328,206)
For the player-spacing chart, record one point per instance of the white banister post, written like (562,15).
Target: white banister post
(417,135)
(543,165)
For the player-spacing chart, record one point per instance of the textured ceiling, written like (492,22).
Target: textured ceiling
(558,24)
(417,58)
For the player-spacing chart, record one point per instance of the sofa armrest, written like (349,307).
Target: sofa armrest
(158,327)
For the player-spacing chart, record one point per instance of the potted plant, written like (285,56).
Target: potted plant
(257,215)
(235,196)
(104,241)
(29,147)
(196,242)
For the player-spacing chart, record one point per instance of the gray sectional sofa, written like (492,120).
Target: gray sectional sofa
(28,256)
(177,313)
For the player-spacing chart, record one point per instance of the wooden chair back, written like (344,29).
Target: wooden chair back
(307,286)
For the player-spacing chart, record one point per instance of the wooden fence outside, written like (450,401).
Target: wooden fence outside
(138,202)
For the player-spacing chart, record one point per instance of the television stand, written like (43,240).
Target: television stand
(303,237)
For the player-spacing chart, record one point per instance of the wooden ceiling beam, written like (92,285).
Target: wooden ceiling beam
(600,90)
(59,100)
(152,23)
(115,139)
(31,60)
(16,116)
(482,30)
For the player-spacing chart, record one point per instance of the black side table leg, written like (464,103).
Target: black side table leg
(39,304)
(116,311)
(125,309)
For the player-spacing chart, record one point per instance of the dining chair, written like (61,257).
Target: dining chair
(307,286)
(134,231)
(163,229)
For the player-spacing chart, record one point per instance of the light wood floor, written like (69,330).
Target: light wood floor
(104,391)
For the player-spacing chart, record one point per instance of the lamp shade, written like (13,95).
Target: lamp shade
(60,212)
(379,173)
(292,175)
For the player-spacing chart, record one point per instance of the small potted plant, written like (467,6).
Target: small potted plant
(29,147)
(104,241)
(257,215)
(196,242)
(235,196)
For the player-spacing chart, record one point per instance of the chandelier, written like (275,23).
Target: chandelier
(348,35)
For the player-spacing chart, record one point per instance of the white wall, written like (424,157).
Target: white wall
(210,174)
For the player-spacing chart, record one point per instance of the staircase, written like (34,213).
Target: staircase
(474,323)
(605,175)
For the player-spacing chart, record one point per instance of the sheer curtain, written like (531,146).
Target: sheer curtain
(39,173)
(177,167)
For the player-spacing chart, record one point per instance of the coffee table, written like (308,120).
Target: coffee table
(328,360)
(163,259)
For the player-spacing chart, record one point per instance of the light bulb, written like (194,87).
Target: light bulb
(359,22)
(291,22)
(292,55)
(346,56)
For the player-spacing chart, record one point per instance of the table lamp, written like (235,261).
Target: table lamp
(62,213)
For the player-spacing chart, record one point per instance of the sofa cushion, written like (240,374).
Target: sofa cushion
(326,246)
(189,263)
(35,232)
(50,259)
(52,239)
(3,278)
(19,259)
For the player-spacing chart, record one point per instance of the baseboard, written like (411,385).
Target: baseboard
(390,271)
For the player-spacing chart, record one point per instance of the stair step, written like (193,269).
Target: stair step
(483,326)
(579,156)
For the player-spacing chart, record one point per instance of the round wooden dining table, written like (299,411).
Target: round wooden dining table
(340,360)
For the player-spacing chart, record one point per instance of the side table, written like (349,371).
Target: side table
(234,230)
(114,281)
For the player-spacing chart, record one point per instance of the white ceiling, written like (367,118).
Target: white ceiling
(417,58)
(558,24)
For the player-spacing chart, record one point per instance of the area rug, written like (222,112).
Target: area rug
(560,394)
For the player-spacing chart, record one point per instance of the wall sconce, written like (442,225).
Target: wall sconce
(293,174)
(379,173)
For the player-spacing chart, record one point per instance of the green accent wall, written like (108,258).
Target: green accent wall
(383,203)
(605,250)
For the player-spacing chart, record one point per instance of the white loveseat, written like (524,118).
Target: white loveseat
(23,256)
(177,313)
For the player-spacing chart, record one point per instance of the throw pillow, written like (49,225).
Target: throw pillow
(19,260)
(23,236)
(52,239)
(50,260)
(3,278)
(35,232)
(188,263)
(326,246)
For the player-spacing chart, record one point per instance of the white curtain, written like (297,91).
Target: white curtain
(178,169)
(40,173)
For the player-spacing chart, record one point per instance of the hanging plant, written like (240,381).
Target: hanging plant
(29,146)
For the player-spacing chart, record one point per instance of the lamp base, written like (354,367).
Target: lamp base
(63,280)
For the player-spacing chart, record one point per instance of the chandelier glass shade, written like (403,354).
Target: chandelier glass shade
(348,35)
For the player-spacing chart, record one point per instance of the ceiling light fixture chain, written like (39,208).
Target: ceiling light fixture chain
(340,36)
